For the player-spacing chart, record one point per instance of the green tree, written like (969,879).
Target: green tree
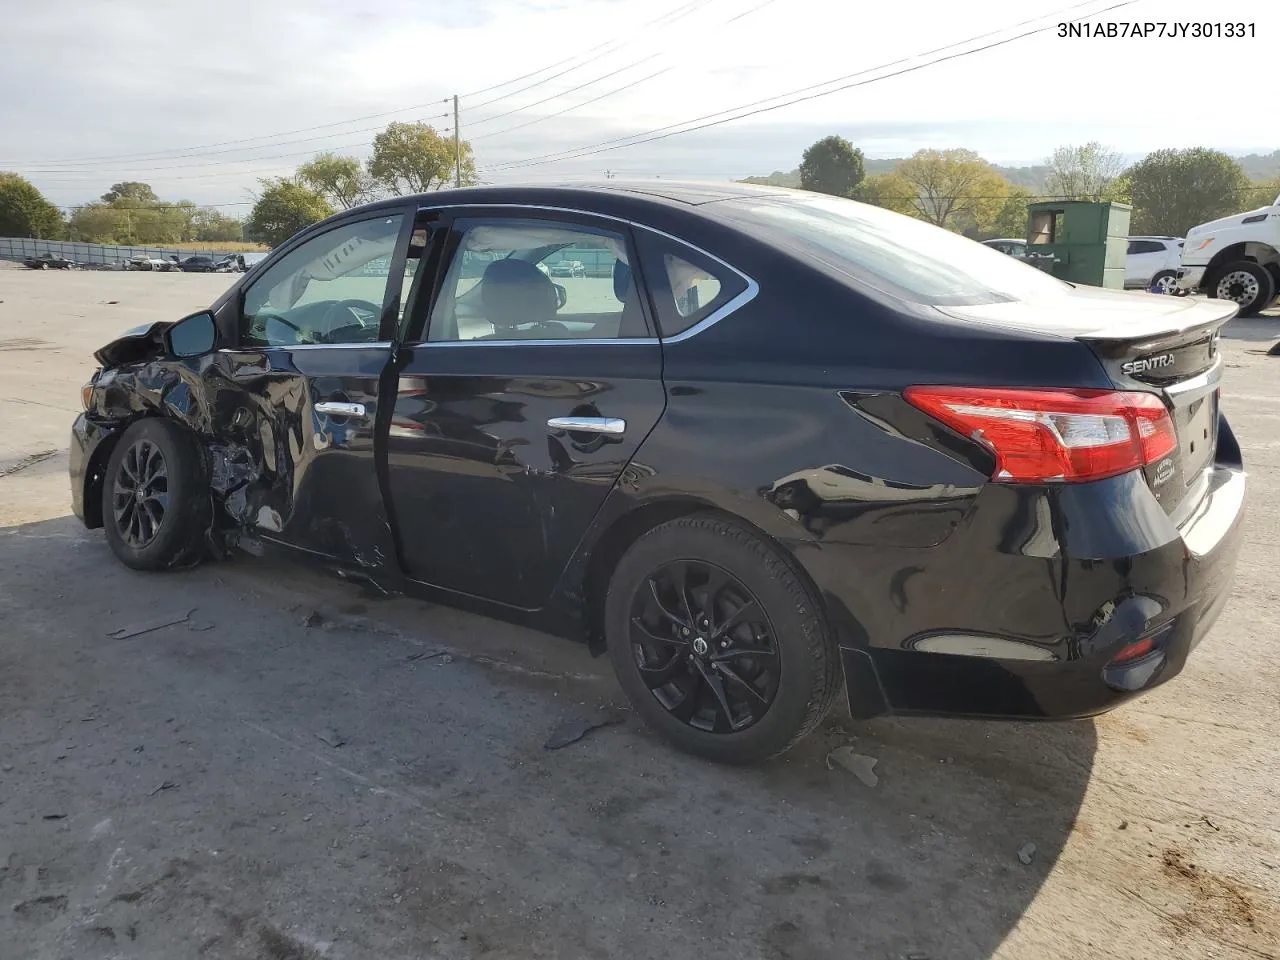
(211,226)
(97,223)
(832,165)
(284,207)
(340,180)
(1011,221)
(1083,173)
(130,190)
(414,158)
(1173,190)
(955,189)
(24,212)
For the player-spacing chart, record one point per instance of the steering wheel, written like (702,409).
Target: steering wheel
(354,307)
(265,316)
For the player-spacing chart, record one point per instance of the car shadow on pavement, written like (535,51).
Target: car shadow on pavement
(1263,329)
(243,760)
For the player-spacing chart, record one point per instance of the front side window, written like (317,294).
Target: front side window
(891,252)
(536,279)
(328,290)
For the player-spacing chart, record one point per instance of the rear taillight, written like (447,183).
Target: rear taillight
(1060,435)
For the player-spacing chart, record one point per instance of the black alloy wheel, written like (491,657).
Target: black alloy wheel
(140,494)
(704,646)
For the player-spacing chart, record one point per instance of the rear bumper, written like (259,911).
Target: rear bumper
(1190,279)
(1033,633)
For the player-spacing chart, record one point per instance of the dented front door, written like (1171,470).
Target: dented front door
(296,399)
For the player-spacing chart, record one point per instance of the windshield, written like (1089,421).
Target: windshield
(891,252)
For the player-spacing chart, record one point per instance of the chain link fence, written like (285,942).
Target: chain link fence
(104,255)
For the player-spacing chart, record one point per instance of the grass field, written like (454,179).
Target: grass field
(241,246)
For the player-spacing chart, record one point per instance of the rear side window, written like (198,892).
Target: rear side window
(887,251)
(1146,246)
(687,285)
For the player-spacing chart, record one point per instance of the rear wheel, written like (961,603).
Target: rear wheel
(155,498)
(718,641)
(1247,283)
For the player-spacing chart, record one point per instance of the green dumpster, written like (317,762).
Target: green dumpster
(1080,241)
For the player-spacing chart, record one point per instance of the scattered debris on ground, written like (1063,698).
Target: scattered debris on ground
(149,626)
(28,461)
(575,728)
(166,785)
(1027,853)
(859,764)
(332,737)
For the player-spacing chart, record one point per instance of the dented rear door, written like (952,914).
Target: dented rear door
(295,401)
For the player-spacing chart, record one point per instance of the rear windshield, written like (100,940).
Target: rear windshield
(894,253)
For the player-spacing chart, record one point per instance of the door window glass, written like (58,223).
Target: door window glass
(328,290)
(537,280)
(687,285)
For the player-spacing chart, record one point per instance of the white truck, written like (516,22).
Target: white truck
(1235,258)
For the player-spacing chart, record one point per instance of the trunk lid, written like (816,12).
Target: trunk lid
(1162,345)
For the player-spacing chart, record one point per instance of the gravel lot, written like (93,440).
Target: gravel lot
(294,770)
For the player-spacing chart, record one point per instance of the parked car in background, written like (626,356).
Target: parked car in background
(1235,258)
(199,265)
(144,262)
(567,268)
(1030,505)
(1151,263)
(233,263)
(1010,246)
(49,261)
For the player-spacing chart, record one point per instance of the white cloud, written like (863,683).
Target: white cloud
(90,80)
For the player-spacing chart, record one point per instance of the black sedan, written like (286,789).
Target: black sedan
(49,261)
(198,265)
(790,442)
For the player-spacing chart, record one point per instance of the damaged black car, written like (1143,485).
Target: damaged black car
(759,446)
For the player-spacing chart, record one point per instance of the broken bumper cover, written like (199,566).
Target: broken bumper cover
(1139,636)
(88,461)
(1189,279)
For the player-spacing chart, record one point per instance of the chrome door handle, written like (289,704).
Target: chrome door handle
(339,408)
(608,425)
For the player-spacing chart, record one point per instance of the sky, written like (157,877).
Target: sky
(201,100)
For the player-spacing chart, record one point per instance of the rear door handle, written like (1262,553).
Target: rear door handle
(607,425)
(340,408)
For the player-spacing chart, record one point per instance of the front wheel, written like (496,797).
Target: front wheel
(1249,284)
(718,641)
(155,498)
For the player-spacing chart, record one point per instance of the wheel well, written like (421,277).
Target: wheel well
(608,550)
(1255,252)
(94,475)
(624,532)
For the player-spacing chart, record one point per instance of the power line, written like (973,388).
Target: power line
(162,154)
(611,47)
(650,135)
(557,96)
(282,143)
(576,106)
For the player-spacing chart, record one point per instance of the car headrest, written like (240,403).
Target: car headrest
(621,280)
(514,292)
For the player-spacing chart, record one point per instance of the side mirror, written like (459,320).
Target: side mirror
(191,336)
(561,296)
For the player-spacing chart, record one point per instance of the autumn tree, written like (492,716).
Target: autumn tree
(1173,190)
(1011,220)
(955,189)
(832,165)
(340,180)
(414,158)
(24,211)
(283,208)
(1083,173)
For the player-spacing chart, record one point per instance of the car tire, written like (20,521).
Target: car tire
(781,645)
(164,525)
(44,266)
(1163,282)
(1249,284)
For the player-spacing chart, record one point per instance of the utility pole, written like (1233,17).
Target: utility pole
(457,146)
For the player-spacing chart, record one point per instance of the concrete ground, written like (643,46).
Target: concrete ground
(293,770)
